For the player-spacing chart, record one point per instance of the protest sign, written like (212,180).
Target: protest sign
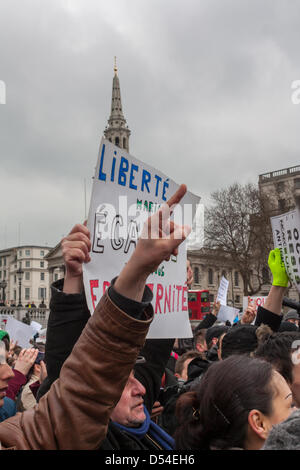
(286,236)
(3,321)
(125,193)
(37,326)
(256,301)
(19,331)
(227,313)
(222,291)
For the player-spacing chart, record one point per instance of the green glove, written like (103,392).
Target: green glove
(276,264)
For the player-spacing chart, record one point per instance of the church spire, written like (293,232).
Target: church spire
(117,131)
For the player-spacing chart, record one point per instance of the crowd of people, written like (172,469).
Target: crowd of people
(100,384)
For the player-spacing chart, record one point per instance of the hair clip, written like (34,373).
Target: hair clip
(222,414)
(196,413)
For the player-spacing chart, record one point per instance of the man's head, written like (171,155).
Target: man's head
(213,334)
(129,410)
(243,339)
(292,317)
(182,363)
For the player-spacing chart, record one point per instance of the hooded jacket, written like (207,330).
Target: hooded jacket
(286,435)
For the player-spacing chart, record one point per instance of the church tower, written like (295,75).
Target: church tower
(117,131)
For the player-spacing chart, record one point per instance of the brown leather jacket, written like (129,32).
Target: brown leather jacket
(74,414)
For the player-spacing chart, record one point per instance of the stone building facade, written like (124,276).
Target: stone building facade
(35,278)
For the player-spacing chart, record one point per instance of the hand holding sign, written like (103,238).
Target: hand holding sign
(276,264)
(160,239)
(216,308)
(75,249)
(249,314)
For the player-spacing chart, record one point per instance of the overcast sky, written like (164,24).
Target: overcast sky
(205,86)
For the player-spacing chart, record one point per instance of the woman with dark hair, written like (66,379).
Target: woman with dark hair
(233,407)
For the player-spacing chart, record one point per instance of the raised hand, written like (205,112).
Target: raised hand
(249,314)
(160,238)
(216,308)
(26,360)
(75,249)
(276,264)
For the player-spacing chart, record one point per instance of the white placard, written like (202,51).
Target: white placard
(37,326)
(222,291)
(227,313)
(125,193)
(286,236)
(3,321)
(19,331)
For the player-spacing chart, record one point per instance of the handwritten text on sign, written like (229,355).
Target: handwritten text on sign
(286,235)
(125,193)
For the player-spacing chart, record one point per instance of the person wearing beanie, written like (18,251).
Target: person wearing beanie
(292,316)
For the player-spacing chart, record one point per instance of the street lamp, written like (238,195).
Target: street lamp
(3,285)
(20,273)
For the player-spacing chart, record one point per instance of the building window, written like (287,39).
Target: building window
(4,261)
(42,264)
(42,293)
(27,264)
(211,298)
(124,143)
(27,293)
(117,140)
(236,278)
(0,274)
(15,279)
(210,276)
(42,253)
(20,253)
(196,275)
(27,252)
(27,276)
(42,276)
(0,262)
(4,274)
(237,299)
(15,294)
(55,277)
(280,186)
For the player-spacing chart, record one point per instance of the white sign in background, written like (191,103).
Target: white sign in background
(125,193)
(222,291)
(19,331)
(256,301)
(227,313)
(286,236)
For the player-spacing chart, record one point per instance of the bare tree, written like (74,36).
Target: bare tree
(238,223)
